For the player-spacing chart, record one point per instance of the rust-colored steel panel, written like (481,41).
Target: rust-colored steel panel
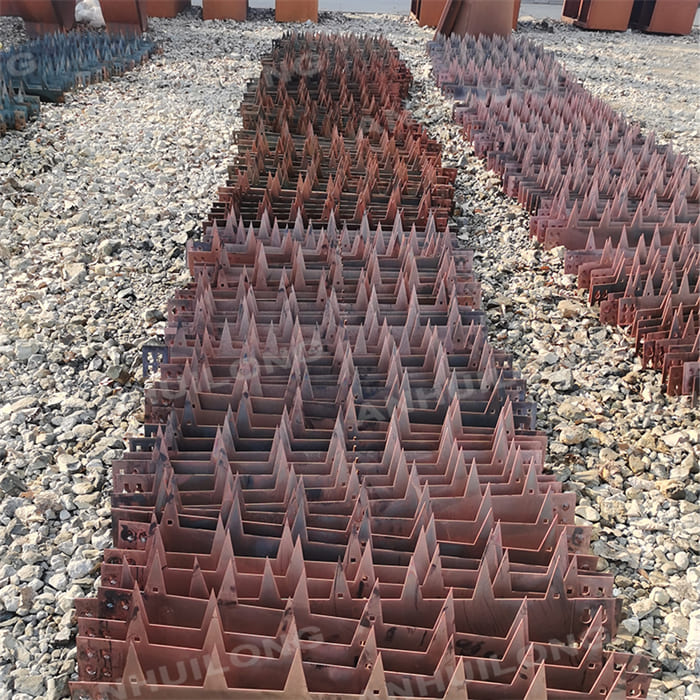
(608,15)
(296,10)
(427,12)
(340,493)
(165,8)
(627,208)
(43,16)
(475,17)
(125,14)
(225,9)
(65,11)
(9,8)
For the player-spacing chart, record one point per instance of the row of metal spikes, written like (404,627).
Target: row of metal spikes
(627,209)
(47,68)
(340,493)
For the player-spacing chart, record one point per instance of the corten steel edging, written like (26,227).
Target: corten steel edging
(288,164)
(627,209)
(340,493)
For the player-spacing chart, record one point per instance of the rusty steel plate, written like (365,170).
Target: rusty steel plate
(626,208)
(340,493)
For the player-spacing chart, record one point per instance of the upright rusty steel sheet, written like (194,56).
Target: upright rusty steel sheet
(166,8)
(120,15)
(607,15)
(427,12)
(43,16)
(477,17)
(225,9)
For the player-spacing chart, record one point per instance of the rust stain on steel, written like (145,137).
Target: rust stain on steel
(627,208)
(341,493)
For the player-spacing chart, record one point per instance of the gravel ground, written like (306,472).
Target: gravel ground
(99,197)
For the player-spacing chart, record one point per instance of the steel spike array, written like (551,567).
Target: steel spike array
(340,493)
(627,208)
(47,68)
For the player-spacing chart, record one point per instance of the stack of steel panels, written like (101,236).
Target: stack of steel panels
(340,493)
(627,208)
